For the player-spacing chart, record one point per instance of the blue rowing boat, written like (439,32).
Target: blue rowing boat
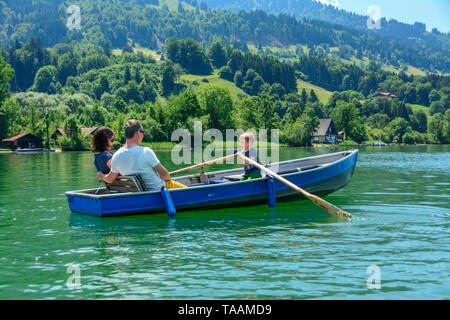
(320,175)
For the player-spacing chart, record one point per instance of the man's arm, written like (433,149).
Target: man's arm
(162,172)
(108,178)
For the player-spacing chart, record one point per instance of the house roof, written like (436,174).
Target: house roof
(60,131)
(87,131)
(84,131)
(386,94)
(323,127)
(19,136)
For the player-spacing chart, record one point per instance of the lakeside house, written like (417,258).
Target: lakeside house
(84,132)
(327,133)
(23,140)
(59,132)
(385,95)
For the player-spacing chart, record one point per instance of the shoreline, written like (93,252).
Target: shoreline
(281,147)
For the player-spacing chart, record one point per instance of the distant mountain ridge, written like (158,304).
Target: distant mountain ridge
(314,9)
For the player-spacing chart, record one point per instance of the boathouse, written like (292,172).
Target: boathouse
(23,140)
(326,132)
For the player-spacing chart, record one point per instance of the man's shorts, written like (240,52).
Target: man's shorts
(174,185)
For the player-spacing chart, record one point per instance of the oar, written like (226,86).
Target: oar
(204,164)
(326,206)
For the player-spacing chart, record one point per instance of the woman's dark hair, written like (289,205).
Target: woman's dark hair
(100,139)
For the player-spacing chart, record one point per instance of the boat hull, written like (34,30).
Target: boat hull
(320,181)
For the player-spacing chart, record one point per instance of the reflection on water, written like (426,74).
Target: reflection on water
(399,197)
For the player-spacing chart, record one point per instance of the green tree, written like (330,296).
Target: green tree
(378,120)
(246,116)
(6,114)
(313,96)
(45,80)
(436,128)
(226,73)
(295,107)
(343,115)
(265,105)
(72,140)
(179,109)
(357,130)
(238,79)
(148,90)
(154,131)
(130,93)
(94,61)
(168,78)
(420,121)
(446,127)
(218,104)
(437,107)
(304,96)
(300,132)
(119,105)
(117,125)
(67,66)
(397,129)
(189,54)
(277,91)
(218,55)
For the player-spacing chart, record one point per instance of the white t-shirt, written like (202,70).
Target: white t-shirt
(138,160)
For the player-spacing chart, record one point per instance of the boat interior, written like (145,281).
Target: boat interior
(133,184)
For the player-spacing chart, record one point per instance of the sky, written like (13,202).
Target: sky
(435,13)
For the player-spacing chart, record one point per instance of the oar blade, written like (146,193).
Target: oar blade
(330,208)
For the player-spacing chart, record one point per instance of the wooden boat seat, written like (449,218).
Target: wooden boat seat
(125,184)
(200,179)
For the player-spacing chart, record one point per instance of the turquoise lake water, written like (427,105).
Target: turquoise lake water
(399,197)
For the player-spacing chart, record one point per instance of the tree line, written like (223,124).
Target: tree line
(334,75)
(118,23)
(86,86)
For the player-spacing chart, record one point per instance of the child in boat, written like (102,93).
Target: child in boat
(102,143)
(250,172)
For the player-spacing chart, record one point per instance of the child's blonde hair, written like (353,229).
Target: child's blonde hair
(248,136)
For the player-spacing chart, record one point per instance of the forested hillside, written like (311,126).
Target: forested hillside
(170,66)
(119,22)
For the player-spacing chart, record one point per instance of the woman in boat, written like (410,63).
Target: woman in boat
(102,143)
(133,159)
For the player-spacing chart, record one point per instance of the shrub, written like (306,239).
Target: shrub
(226,73)
(408,138)
(75,143)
